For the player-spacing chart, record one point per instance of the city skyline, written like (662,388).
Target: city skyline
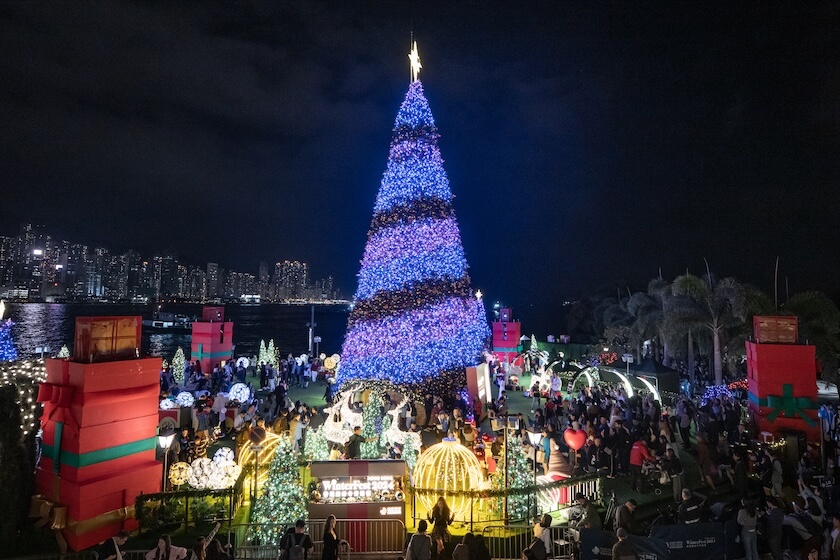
(36,266)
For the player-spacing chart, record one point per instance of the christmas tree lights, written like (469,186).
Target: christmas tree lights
(178,364)
(282,501)
(372,426)
(262,357)
(315,445)
(26,376)
(415,322)
(8,352)
(514,463)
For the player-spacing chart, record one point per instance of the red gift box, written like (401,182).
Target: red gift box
(90,498)
(94,438)
(101,470)
(93,409)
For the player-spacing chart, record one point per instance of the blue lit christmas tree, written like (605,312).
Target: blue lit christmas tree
(416,322)
(8,352)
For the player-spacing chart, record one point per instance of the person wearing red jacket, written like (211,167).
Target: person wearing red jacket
(638,455)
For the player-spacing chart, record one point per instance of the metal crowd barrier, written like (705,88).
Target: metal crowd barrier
(506,542)
(366,536)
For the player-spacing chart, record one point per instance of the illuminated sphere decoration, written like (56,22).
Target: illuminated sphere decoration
(185,399)
(329,363)
(179,473)
(200,472)
(168,404)
(240,392)
(447,468)
(223,455)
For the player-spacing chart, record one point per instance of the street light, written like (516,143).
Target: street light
(165,437)
(534,437)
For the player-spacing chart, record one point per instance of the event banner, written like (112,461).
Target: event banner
(597,545)
(700,541)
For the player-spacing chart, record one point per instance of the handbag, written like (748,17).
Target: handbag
(536,550)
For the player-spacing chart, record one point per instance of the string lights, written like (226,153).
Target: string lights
(25,375)
(415,322)
(447,469)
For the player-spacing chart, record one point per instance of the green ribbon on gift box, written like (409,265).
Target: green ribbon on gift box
(201,354)
(788,405)
(79,460)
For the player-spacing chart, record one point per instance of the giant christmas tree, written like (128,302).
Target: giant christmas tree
(415,322)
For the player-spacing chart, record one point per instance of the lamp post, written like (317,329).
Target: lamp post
(534,437)
(165,437)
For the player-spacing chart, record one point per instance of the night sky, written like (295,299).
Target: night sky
(586,145)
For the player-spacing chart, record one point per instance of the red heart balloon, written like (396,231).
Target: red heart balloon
(574,438)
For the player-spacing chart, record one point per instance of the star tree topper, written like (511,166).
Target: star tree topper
(414,58)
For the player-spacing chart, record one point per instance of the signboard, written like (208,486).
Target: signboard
(699,541)
(597,545)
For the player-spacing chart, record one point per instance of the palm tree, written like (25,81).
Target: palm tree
(819,324)
(649,312)
(716,306)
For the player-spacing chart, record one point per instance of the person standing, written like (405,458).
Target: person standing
(165,551)
(420,545)
(748,520)
(675,470)
(623,550)
(624,516)
(775,521)
(331,540)
(353,448)
(638,455)
(691,508)
(112,549)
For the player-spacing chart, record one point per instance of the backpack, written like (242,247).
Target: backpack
(294,550)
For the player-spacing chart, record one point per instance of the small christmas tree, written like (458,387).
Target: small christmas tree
(272,355)
(516,465)
(316,447)
(262,357)
(64,352)
(8,352)
(282,501)
(372,426)
(409,454)
(179,362)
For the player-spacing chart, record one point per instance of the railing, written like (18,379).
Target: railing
(365,536)
(488,507)
(506,542)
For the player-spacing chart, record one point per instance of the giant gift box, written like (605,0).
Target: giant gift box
(782,383)
(506,334)
(212,343)
(99,432)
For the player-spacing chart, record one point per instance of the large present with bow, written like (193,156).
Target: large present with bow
(99,430)
(782,383)
(211,343)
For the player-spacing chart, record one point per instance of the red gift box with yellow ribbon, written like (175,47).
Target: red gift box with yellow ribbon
(99,436)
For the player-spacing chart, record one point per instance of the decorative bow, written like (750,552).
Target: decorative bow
(60,397)
(789,406)
(50,513)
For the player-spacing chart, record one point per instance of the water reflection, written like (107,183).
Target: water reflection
(53,324)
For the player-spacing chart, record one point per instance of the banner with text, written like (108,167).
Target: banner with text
(701,541)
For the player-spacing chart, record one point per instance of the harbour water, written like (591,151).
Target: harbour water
(52,325)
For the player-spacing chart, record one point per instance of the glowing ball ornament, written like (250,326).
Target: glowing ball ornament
(200,472)
(240,392)
(330,363)
(447,469)
(185,399)
(168,404)
(223,455)
(179,473)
